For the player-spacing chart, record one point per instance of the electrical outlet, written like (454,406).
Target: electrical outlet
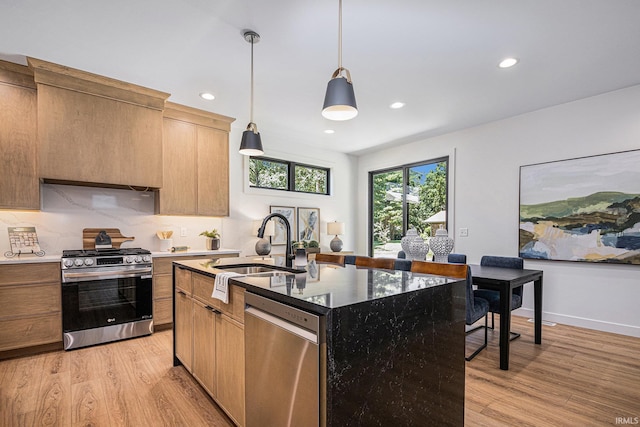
(464,232)
(183,231)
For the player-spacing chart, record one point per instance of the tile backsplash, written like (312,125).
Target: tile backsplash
(66,210)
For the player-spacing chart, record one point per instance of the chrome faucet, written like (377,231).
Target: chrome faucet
(288,254)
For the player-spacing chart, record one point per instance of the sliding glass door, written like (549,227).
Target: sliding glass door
(413,195)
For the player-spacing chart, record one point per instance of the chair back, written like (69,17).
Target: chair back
(502,261)
(458,271)
(331,258)
(384,263)
(457,258)
(402,264)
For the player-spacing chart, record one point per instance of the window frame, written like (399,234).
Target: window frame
(405,184)
(291,168)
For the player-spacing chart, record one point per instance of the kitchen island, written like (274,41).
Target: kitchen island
(391,345)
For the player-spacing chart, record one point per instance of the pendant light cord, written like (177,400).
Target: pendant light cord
(340,36)
(251,112)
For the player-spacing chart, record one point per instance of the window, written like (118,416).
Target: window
(289,176)
(407,196)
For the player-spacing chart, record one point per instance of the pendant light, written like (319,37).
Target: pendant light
(340,100)
(251,144)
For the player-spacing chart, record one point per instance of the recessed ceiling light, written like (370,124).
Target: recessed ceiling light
(208,96)
(329,131)
(397,105)
(508,62)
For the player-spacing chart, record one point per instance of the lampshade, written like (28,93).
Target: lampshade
(335,228)
(340,100)
(251,144)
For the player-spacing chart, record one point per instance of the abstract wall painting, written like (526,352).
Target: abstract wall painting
(585,209)
(280,236)
(309,224)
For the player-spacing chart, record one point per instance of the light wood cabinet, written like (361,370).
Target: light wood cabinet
(102,130)
(19,186)
(230,367)
(162,289)
(30,305)
(184,328)
(204,346)
(217,333)
(195,162)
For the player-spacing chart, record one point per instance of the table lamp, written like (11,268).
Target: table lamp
(336,228)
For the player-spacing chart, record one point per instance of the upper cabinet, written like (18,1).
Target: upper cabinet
(195,162)
(93,129)
(19,186)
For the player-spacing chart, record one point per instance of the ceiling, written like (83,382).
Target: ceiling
(438,57)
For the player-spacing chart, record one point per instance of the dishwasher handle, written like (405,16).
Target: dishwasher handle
(289,327)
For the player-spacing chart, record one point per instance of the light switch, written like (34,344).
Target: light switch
(464,232)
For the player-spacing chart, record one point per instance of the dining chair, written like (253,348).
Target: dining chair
(369,262)
(476,307)
(440,268)
(492,296)
(330,258)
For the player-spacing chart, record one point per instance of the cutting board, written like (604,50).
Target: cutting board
(89,237)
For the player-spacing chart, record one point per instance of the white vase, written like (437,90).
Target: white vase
(441,245)
(414,246)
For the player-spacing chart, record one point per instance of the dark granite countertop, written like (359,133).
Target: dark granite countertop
(321,287)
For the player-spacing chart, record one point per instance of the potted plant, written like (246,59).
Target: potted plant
(313,247)
(213,239)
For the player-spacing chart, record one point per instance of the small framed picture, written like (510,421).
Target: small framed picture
(280,235)
(308,224)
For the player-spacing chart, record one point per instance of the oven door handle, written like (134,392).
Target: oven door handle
(104,275)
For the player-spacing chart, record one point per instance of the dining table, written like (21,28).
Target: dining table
(505,280)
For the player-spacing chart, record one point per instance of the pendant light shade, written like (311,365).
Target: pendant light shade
(251,144)
(340,99)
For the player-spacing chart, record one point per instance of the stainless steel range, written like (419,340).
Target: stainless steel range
(106,295)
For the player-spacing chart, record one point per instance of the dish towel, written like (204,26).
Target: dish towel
(221,286)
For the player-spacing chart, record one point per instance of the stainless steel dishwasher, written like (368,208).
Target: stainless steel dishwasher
(282,364)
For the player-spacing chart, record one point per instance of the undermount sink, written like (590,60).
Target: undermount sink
(256,270)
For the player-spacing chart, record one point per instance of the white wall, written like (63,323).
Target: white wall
(66,210)
(249,204)
(487,161)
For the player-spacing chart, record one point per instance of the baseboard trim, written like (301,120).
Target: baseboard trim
(582,322)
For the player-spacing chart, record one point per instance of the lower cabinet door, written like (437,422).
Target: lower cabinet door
(230,367)
(184,328)
(204,346)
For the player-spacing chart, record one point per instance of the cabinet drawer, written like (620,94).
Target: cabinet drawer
(203,288)
(30,331)
(162,311)
(19,274)
(162,286)
(183,280)
(28,300)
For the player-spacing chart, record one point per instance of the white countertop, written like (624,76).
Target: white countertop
(29,258)
(191,252)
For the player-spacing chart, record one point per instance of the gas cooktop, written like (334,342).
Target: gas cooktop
(93,258)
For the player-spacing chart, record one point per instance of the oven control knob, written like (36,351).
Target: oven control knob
(129,259)
(146,258)
(138,259)
(88,261)
(68,263)
(79,262)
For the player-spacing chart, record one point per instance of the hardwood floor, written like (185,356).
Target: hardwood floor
(577,377)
